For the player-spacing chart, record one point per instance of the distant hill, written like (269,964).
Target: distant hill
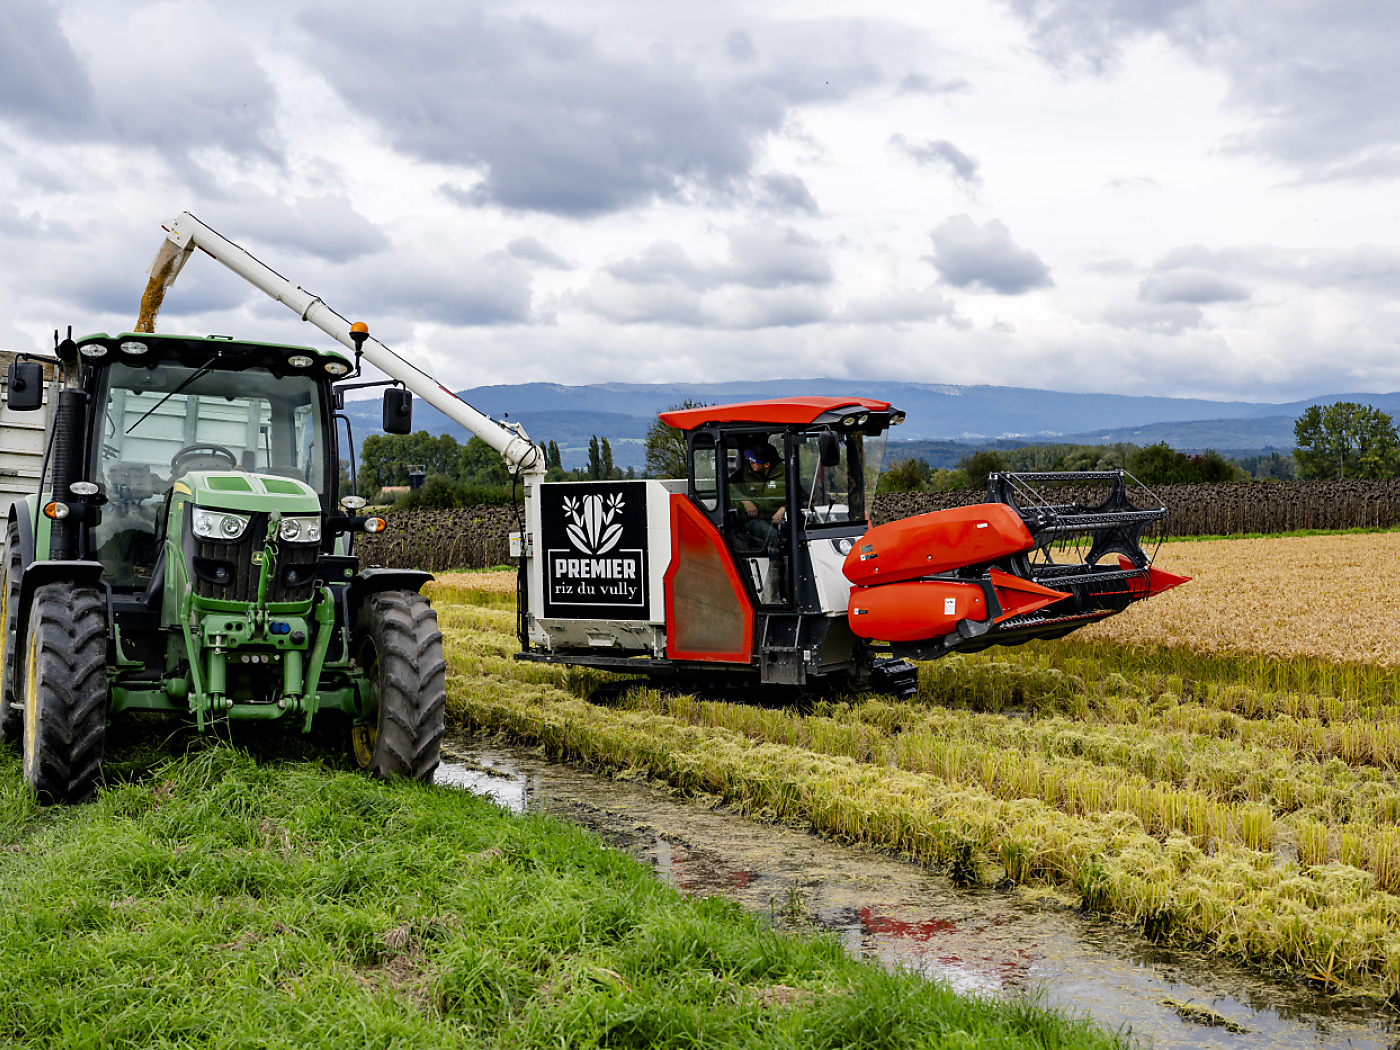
(972,416)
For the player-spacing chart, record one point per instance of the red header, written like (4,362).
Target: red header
(779,411)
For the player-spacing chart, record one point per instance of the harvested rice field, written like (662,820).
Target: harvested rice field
(1238,795)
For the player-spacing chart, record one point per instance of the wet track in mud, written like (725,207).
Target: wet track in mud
(981,940)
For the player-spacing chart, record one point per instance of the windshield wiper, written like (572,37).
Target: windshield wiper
(195,375)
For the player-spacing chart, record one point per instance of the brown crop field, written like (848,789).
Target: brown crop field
(1219,766)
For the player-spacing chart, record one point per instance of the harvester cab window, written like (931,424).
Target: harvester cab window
(704,473)
(163,422)
(833,493)
(756,523)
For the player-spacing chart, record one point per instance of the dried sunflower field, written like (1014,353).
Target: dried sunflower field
(1220,766)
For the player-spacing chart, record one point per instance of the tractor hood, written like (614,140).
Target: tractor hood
(240,490)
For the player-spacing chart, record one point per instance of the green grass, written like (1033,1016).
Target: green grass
(222,900)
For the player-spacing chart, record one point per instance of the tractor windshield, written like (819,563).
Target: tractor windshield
(159,423)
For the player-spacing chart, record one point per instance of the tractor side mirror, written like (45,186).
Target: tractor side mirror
(25,391)
(829,448)
(398,411)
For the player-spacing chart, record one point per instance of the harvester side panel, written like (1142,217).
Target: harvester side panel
(708,613)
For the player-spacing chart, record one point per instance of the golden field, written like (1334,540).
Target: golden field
(1332,597)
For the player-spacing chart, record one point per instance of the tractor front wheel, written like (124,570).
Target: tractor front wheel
(65,693)
(11,567)
(399,647)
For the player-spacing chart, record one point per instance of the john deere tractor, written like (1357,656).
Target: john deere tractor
(189,552)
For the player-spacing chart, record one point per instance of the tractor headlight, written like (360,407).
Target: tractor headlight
(300,530)
(219,524)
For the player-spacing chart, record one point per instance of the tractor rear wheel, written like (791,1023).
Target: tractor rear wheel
(65,692)
(399,647)
(11,566)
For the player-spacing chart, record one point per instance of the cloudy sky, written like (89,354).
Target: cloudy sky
(1188,197)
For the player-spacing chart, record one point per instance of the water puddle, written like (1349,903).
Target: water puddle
(984,941)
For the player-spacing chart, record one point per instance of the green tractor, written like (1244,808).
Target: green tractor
(188,552)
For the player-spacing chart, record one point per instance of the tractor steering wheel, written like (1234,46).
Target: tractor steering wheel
(200,450)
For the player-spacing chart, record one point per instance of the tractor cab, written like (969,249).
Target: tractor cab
(787,483)
(238,428)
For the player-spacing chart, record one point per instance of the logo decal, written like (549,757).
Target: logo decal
(594,541)
(593,526)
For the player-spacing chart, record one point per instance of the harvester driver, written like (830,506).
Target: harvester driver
(760,488)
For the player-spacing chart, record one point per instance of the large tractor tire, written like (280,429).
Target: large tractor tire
(11,567)
(65,693)
(399,647)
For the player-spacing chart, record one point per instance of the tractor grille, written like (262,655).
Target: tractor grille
(298,559)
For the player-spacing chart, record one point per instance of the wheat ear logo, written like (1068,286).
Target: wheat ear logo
(593,526)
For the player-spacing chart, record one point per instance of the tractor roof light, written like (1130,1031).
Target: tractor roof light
(896,418)
(93,351)
(848,421)
(84,488)
(336,368)
(300,361)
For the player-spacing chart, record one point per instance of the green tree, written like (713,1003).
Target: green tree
(665,446)
(979,464)
(908,475)
(595,458)
(1346,440)
(551,456)
(608,471)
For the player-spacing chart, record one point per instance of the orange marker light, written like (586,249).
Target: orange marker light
(57,511)
(375,524)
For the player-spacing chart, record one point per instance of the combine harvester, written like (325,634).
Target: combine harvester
(194,555)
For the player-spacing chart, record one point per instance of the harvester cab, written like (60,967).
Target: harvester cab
(189,551)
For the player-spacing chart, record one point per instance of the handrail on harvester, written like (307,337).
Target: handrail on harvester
(187,233)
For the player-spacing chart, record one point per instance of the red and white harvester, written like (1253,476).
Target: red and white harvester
(761,567)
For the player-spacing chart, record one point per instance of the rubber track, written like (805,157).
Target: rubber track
(11,720)
(71,663)
(413,684)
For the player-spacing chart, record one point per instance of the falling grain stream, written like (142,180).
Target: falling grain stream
(983,941)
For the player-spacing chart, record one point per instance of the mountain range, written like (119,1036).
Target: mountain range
(970,415)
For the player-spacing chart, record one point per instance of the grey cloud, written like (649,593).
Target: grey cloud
(163,77)
(771,278)
(901,307)
(940,153)
(785,193)
(740,47)
(1193,286)
(42,84)
(558,124)
(921,84)
(664,262)
(1366,269)
(327,227)
(985,258)
(529,249)
(1316,81)
(458,292)
(1091,34)
(1160,318)
(764,257)
(759,257)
